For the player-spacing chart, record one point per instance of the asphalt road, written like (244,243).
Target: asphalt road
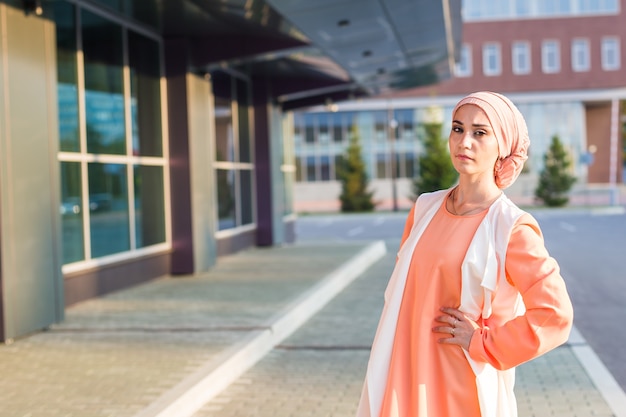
(590,247)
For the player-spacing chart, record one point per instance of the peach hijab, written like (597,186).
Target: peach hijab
(510,130)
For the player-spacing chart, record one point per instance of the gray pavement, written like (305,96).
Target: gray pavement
(268,332)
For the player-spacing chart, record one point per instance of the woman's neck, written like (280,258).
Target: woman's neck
(466,200)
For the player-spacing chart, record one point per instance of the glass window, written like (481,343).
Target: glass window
(337,123)
(381,165)
(224,135)
(521,8)
(226,199)
(72,213)
(491,59)
(322,123)
(521,58)
(310,168)
(67,88)
(404,129)
(464,66)
(550,57)
(99,223)
(580,55)
(474,10)
(547,7)
(338,165)
(145,95)
(108,208)
(610,54)
(245,196)
(410,164)
(149,205)
(325,168)
(104,99)
(243,115)
(380,125)
(309,128)
(234,150)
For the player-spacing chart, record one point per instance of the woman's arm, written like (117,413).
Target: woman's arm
(548,318)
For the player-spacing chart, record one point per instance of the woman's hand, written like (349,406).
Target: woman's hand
(458,327)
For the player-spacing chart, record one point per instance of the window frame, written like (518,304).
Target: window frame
(464,67)
(492,50)
(521,48)
(581,55)
(606,65)
(127,159)
(550,47)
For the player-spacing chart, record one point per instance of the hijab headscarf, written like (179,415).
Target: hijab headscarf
(510,130)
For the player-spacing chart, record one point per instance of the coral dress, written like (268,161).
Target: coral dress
(428,379)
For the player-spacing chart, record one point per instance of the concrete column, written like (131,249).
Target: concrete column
(202,154)
(175,54)
(31,280)
(268,159)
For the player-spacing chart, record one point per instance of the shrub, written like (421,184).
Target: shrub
(555,181)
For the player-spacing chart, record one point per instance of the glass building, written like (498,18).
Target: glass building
(147,138)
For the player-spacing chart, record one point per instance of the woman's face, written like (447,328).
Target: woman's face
(473,144)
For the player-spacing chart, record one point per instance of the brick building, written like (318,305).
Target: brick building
(561,62)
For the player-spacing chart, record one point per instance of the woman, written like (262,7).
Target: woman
(474,292)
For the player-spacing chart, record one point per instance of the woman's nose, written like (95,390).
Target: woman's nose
(466,140)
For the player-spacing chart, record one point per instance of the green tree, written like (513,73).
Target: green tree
(435,171)
(555,180)
(354,182)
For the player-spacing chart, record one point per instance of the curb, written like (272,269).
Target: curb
(210,379)
(599,375)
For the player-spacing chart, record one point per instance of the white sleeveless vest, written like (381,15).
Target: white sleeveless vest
(483,278)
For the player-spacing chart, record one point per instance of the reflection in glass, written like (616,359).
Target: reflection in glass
(71,213)
(104,101)
(108,208)
(225,141)
(65,18)
(226,199)
(145,91)
(245,178)
(149,205)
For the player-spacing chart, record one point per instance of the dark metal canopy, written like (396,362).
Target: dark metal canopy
(312,51)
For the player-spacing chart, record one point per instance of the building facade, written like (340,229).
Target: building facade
(561,62)
(145,138)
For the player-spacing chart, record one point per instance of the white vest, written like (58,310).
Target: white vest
(483,279)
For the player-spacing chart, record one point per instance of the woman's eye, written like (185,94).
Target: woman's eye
(480,133)
(457,129)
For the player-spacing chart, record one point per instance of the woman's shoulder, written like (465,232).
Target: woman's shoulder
(430,197)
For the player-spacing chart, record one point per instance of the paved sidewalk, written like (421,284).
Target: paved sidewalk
(173,346)
(320,369)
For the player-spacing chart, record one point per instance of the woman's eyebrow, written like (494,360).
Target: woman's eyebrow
(484,126)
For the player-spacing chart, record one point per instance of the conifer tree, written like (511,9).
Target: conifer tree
(555,180)
(435,171)
(354,181)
